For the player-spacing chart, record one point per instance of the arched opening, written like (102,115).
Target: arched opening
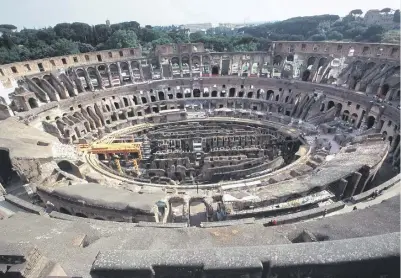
(115,76)
(161,95)
(81,76)
(277,97)
(290,58)
(231,92)
(64,210)
(330,105)
(185,65)
(286,99)
(144,100)
(116,105)
(215,70)
(370,122)
(81,215)
(384,134)
(179,95)
(390,139)
(126,103)
(322,107)
(311,62)
(354,118)
(305,75)
(277,60)
(135,100)
(125,72)
(7,174)
(32,103)
(385,90)
(197,93)
(152,99)
(66,166)
(269,95)
(214,93)
(99,218)
(93,77)
(197,213)
(345,116)
(250,94)
(339,107)
(104,75)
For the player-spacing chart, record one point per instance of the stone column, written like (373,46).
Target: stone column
(161,71)
(368,108)
(353,181)
(151,71)
(109,75)
(390,94)
(190,66)
(89,81)
(141,71)
(99,79)
(220,65)
(131,72)
(120,73)
(180,64)
(378,125)
(230,65)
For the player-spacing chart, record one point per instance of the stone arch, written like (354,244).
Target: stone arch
(196,93)
(288,70)
(215,70)
(339,107)
(250,94)
(385,89)
(196,63)
(115,76)
(370,122)
(354,118)
(214,93)
(290,58)
(390,139)
(231,92)
(345,115)
(306,75)
(269,95)
(311,62)
(64,210)
(277,60)
(33,103)
(277,97)
(126,102)
(93,77)
(104,75)
(185,63)
(322,106)
(330,105)
(161,95)
(81,76)
(196,219)
(79,214)
(125,72)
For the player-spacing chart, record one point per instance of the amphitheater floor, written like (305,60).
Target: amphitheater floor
(57,238)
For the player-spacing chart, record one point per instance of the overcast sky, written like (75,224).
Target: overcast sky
(41,13)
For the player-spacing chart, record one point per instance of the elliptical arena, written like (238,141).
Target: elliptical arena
(198,150)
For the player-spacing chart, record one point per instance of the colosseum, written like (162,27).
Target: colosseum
(191,163)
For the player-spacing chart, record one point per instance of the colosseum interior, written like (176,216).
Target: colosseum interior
(190,163)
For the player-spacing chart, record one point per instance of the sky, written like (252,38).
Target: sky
(43,13)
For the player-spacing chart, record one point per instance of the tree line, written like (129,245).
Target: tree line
(77,37)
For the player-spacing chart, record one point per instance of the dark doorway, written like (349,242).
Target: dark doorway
(215,70)
(6,169)
(370,122)
(305,75)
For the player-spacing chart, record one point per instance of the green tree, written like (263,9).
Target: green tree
(317,37)
(85,47)
(392,36)
(64,47)
(386,10)
(396,17)
(335,35)
(122,39)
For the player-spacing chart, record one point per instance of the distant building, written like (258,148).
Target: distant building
(198,27)
(376,17)
(108,22)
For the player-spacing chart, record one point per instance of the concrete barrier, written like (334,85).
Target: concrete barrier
(24,204)
(368,257)
(367,194)
(302,215)
(242,221)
